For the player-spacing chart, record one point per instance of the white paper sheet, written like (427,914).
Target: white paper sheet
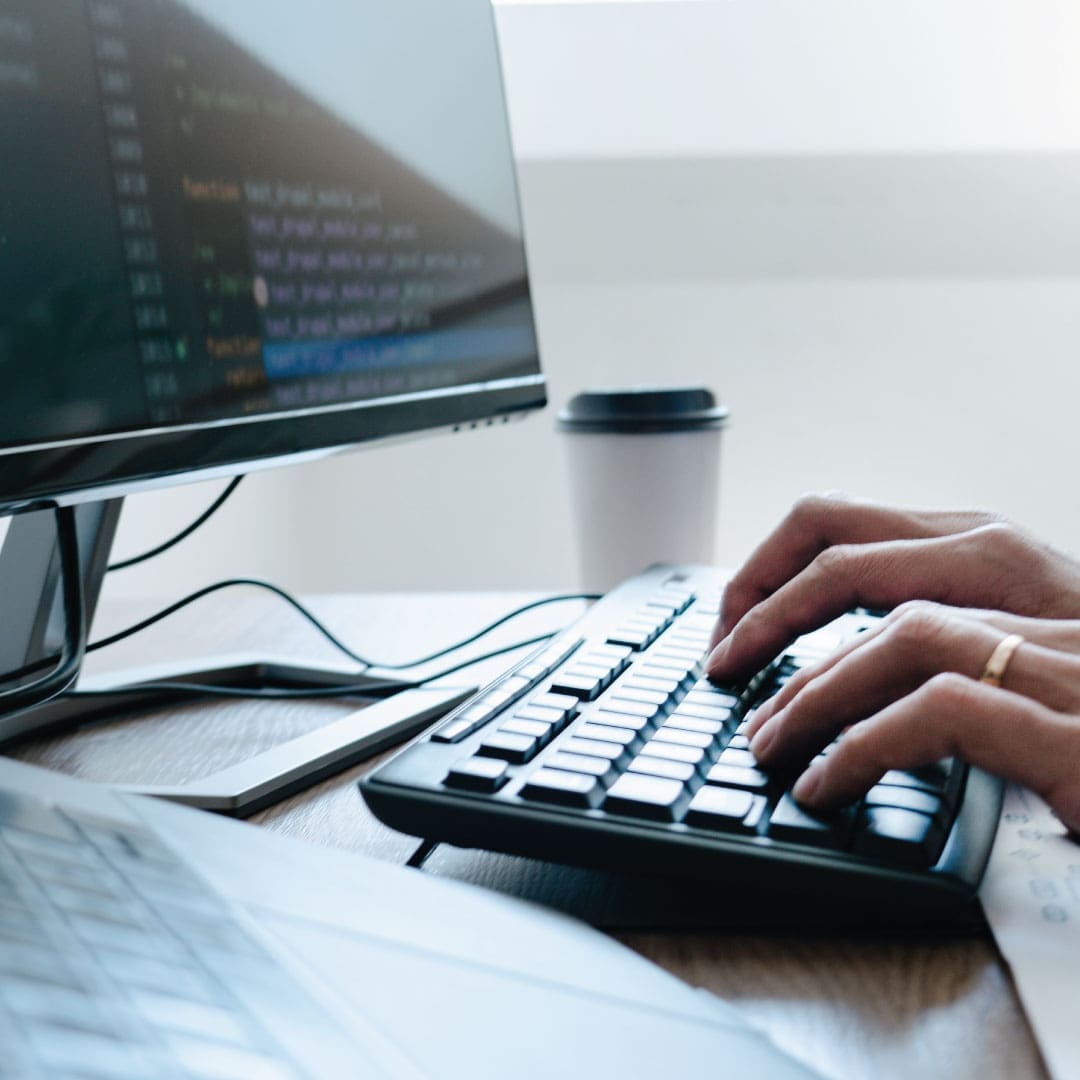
(1031,895)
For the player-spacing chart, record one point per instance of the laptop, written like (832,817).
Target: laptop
(139,938)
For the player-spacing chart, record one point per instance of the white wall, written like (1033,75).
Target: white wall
(855,219)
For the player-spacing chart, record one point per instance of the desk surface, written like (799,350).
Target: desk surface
(848,1007)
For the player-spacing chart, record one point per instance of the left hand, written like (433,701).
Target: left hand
(908,693)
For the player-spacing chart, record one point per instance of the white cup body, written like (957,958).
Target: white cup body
(640,499)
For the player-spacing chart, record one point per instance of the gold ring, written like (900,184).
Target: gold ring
(994,671)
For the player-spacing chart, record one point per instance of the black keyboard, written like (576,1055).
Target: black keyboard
(609,749)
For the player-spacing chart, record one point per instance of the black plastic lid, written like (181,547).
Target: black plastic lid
(643,409)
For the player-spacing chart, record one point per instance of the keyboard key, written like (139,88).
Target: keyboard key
(555,654)
(663,608)
(599,767)
(643,697)
(29,816)
(63,1051)
(681,669)
(906,798)
(566,703)
(667,687)
(622,736)
(631,708)
(611,652)
(534,671)
(103,933)
(635,638)
(610,751)
(40,962)
(648,670)
(697,622)
(705,712)
(738,777)
(18,923)
(738,742)
(791,822)
(667,604)
(538,729)
(654,766)
(507,691)
(683,738)
(901,836)
(692,723)
(614,657)
(465,723)
(693,643)
(898,778)
(583,687)
(649,618)
(614,718)
(453,730)
(943,778)
(742,759)
(675,652)
(32,1001)
(691,755)
(603,673)
(676,595)
(79,900)
(542,714)
(517,749)
(726,809)
(189,982)
(132,850)
(704,693)
(646,796)
(563,788)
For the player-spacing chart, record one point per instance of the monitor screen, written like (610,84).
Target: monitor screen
(233,230)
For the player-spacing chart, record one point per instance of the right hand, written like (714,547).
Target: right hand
(907,693)
(832,553)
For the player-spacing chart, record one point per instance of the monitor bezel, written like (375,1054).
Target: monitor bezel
(81,470)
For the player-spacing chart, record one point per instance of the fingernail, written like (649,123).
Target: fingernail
(760,743)
(757,718)
(807,785)
(716,657)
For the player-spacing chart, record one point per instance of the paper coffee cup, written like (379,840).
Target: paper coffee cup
(644,467)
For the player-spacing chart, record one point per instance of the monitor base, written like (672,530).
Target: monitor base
(29,578)
(241,790)
(391,712)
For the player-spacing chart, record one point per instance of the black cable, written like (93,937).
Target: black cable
(67,663)
(422,854)
(205,516)
(120,635)
(255,582)
(284,694)
(335,641)
(487,629)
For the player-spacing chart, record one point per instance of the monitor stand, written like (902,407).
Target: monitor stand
(29,583)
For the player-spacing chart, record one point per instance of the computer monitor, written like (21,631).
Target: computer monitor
(234,234)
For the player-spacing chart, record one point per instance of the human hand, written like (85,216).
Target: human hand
(908,693)
(832,553)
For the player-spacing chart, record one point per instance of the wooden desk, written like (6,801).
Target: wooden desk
(850,1008)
